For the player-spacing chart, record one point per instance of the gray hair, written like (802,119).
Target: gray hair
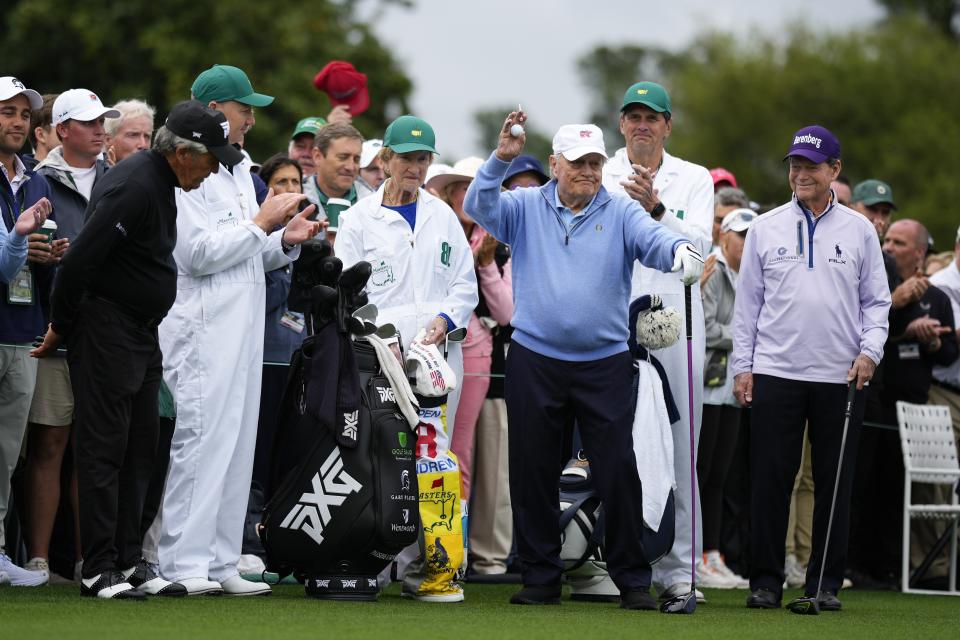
(128,109)
(167,142)
(730,197)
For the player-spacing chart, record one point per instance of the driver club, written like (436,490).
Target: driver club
(810,605)
(687,602)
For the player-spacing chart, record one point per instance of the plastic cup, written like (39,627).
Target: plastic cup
(48,229)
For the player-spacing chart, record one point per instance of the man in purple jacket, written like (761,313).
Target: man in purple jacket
(810,316)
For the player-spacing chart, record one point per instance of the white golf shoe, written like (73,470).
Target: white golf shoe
(201,587)
(20,577)
(237,586)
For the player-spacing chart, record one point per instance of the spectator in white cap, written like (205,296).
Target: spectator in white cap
(72,170)
(24,207)
(721,413)
(679,195)
(371,168)
(573,250)
(132,131)
(75,167)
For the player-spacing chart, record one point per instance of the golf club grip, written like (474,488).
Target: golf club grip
(688,311)
(851,394)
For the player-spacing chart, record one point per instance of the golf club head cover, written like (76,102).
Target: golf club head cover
(307,273)
(433,375)
(323,306)
(330,269)
(350,286)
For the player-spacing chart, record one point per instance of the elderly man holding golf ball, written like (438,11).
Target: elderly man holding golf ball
(810,321)
(573,247)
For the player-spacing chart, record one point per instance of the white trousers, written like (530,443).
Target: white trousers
(675,566)
(217,394)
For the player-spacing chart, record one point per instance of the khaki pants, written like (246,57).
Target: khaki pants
(800,524)
(491,521)
(18,374)
(924,533)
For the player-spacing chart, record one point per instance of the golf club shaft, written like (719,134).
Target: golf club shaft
(693,469)
(851,394)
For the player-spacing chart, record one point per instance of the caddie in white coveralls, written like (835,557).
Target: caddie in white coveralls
(212,344)
(679,194)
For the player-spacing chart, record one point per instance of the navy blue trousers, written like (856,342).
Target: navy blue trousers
(545,396)
(780,410)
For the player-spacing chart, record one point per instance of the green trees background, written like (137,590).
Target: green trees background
(154,49)
(890,91)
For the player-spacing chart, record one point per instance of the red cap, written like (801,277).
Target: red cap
(722,175)
(345,85)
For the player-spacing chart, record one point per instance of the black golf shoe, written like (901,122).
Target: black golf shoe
(828,601)
(537,595)
(146,579)
(639,600)
(763,599)
(110,585)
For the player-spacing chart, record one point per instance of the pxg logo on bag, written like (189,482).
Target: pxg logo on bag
(330,488)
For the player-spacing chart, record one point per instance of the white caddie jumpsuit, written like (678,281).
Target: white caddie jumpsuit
(212,343)
(686,190)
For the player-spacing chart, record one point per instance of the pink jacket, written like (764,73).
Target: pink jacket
(498,292)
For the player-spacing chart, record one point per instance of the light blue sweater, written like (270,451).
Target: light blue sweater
(571,287)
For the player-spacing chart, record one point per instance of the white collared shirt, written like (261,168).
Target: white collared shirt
(20,174)
(948,281)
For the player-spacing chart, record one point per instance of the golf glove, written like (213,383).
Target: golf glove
(688,258)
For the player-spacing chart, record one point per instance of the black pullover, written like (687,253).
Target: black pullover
(124,252)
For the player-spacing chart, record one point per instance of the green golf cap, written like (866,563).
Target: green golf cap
(222,83)
(409,133)
(871,192)
(649,94)
(308,125)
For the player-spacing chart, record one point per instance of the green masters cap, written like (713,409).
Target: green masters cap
(649,94)
(222,82)
(308,125)
(871,192)
(409,133)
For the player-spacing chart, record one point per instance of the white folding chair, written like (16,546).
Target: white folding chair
(929,456)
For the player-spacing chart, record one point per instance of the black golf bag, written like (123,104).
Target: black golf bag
(582,525)
(342,500)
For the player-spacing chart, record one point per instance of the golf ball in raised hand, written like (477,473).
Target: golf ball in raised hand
(516,131)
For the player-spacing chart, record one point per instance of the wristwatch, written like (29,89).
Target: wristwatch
(658,211)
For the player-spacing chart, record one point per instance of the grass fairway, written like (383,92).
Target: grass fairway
(59,612)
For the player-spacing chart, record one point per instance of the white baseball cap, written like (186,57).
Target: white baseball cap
(577,140)
(11,87)
(80,104)
(738,220)
(369,151)
(463,170)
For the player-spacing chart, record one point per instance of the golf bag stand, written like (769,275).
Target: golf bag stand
(342,499)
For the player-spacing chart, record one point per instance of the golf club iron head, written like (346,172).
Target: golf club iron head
(367,313)
(386,331)
(804,606)
(457,335)
(686,603)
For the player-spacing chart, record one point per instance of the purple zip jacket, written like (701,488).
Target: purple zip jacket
(812,295)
